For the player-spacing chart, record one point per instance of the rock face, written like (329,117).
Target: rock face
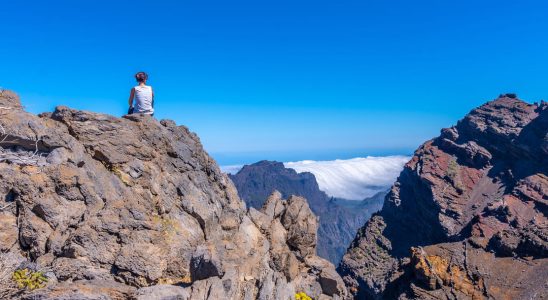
(467,217)
(133,208)
(339,219)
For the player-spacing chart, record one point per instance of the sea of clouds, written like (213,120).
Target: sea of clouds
(352,179)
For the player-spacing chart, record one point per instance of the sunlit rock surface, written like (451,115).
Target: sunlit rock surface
(133,208)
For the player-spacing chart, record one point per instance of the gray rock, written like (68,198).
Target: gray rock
(301,225)
(130,207)
(162,292)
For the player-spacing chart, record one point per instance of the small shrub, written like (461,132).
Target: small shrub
(452,170)
(302,296)
(125,178)
(453,175)
(31,280)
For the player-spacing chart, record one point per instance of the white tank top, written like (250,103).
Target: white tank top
(143,100)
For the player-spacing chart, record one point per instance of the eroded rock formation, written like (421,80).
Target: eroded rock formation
(339,219)
(133,208)
(467,217)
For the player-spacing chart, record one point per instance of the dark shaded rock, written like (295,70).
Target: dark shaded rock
(329,280)
(205,264)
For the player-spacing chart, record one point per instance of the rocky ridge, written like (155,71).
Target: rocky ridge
(339,219)
(467,217)
(134,208)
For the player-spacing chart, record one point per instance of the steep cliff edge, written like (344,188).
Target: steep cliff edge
(467,217)
(133,208)
(339,219)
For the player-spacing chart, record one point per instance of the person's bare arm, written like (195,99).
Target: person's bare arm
(131,95)
(152,91)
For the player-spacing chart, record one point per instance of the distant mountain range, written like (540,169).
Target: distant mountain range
(339,218)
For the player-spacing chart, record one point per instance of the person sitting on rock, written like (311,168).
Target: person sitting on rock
(143,96)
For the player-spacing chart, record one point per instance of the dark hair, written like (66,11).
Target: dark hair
(141,76)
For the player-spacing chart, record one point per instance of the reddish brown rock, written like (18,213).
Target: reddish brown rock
(467,217)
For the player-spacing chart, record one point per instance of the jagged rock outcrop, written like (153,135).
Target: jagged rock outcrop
(339,218)
(133,208)
(467,217)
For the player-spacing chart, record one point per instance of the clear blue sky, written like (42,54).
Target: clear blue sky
(261,78)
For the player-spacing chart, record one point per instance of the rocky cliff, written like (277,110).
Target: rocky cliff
(339,219)
(467,217)
(98,207)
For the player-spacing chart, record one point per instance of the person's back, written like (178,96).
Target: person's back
(143,96)
(143,100)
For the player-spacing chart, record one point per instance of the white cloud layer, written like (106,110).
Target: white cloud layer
(353,179)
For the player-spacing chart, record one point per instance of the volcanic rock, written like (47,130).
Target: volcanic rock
(134,208)
(467,217)
(339,219)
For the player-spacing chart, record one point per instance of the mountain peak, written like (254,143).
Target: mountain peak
(9,99)
(471,201)
(134,208)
